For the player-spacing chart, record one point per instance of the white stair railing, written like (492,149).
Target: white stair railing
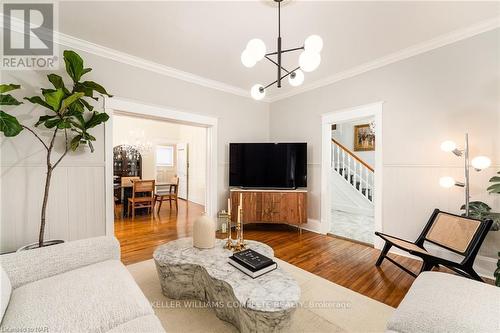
(353,170)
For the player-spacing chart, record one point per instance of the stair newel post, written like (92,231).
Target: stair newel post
(338,157)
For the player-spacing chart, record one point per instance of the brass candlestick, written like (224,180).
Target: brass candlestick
(240,243)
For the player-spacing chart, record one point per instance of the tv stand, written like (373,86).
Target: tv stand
(271,205)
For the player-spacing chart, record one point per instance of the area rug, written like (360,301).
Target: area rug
(325,306)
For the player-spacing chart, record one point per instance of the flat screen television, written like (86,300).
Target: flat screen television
(268,165)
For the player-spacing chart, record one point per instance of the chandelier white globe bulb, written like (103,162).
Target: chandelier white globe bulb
(258,92)
(448,146)
(256,48)
(247,59)
(309,61)
(446,182)
(297,79)
(313,43)
(481,162)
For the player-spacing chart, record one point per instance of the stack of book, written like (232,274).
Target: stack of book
(252,263)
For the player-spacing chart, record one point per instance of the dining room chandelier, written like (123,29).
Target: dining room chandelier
(309,59)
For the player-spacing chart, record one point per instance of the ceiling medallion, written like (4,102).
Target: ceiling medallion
(309,59)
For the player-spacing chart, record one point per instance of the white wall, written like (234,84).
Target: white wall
(76,204)
(428,98)
(163,133)
(345,135)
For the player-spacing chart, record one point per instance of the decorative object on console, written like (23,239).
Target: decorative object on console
(364,137)
(204,229)
(69,114)
(497,272)
(309,59)
(478,163)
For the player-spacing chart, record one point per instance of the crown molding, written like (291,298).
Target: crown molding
(128,59)
(60,38)
(403,54)
(148,65)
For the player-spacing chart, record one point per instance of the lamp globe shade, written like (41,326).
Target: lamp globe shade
(313,43)
(448,146)
(446,182)
(481,162)
(257,93)
(257,48)
(297,79)
(309,61)
(247,59)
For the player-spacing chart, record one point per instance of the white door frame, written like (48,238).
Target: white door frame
(327,119)
(134,108)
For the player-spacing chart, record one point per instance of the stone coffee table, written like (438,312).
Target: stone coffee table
(264,304)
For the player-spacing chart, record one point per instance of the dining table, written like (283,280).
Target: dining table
(126,193)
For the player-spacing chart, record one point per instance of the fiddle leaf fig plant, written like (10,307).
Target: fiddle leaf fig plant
(68,115)
(495,187)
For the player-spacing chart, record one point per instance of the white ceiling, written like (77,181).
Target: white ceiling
(207,38)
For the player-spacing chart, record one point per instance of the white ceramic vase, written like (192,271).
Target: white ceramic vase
(204,232)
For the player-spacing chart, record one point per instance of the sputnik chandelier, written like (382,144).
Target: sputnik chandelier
(309,59)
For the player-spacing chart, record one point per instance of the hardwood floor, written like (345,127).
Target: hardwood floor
(349,264)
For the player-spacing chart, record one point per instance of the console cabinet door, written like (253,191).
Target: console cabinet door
(271,206)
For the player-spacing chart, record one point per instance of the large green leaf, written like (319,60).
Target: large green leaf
(54,99)
(43,119)
(74,65)
(88,87)
(495,188)
(38,100)
(8,87)
(96,119)
(9,125)
(7,99)
(70,100)
(51,123)
(58,82)
(75,142)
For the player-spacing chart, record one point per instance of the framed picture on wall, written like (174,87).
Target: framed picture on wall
(364,138)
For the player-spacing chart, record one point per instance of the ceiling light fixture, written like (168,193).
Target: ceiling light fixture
(309,59)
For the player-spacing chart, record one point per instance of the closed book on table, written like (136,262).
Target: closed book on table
(253,274)
(252,259)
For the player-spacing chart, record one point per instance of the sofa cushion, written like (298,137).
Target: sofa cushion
(442,302)
(5,290)
(94,298)
(146,324)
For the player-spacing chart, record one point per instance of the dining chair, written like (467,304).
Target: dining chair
(127,181)
(142,196)
(168,195)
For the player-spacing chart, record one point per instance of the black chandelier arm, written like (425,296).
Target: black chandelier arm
(284,51)
(274,62)
(281,78)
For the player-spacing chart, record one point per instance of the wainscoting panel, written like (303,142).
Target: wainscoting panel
(76,204)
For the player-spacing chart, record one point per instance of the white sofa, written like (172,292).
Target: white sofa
(78,286)
(441,302)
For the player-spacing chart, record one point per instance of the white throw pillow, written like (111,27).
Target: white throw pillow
(5,291)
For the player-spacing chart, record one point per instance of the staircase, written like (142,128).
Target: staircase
(359,175)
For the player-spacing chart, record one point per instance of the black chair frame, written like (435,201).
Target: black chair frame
(464,267)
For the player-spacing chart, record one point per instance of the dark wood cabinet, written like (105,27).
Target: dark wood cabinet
(271,206)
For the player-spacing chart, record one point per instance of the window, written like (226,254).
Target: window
(165,156)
